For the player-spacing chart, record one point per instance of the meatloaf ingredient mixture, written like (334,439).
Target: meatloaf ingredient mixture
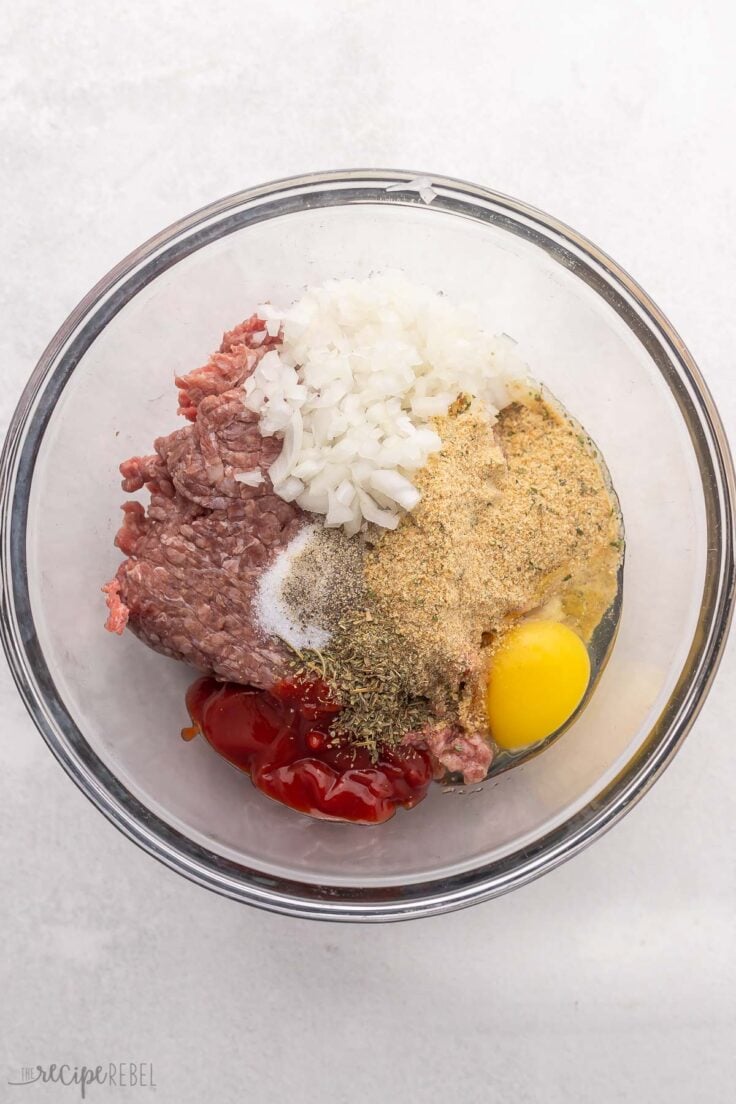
(352,539)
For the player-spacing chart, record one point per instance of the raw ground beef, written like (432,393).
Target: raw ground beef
(454,750)
(196,553)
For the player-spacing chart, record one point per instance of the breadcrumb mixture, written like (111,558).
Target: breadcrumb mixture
(511,517)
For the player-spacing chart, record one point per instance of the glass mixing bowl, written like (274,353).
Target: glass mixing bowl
(111,710)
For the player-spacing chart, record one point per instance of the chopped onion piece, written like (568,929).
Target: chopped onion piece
(345,493)
(290,489)
(385,518)
(285,461)
(316,501)
(362,368)
(432,406)
(397,487)
(337,512)
(250,478)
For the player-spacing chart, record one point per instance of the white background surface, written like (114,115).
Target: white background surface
(612,979)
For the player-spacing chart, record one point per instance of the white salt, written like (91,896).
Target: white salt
(272,612)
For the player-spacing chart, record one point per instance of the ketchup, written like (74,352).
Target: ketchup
(281,738)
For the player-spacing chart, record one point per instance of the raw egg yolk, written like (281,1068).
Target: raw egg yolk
(538,677)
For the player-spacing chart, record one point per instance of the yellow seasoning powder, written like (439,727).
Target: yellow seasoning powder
(512,516)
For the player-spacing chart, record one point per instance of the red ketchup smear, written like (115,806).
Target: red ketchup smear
(280,737)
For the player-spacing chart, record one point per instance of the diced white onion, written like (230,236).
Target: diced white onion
(337,513)
(286,459)
(289,489)
(250,478)
(431,406)
(345,493)
(363,367)
(396,487)
(316,501)
(371,512)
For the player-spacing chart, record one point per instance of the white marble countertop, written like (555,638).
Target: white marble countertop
(616,977)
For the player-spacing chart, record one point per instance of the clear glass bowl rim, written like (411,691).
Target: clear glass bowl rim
(25,655)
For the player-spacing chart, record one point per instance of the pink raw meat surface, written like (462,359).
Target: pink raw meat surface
(196,553)
(467,753)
